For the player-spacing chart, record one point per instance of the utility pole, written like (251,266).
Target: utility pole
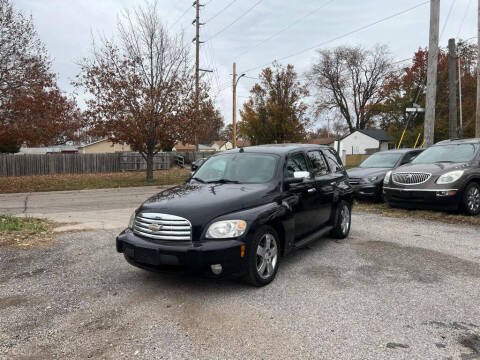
(234,104)
(460,133)
(452,89)
(429,128)
(477,113)
(197,68)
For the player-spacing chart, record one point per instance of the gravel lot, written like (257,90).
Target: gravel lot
(396,289)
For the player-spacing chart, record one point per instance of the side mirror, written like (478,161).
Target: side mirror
(301,175)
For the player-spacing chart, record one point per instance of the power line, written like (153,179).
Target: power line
(285,28)
(181,16)
(221,11)
(464,17)
(345,35)
(237,19)
(452,4)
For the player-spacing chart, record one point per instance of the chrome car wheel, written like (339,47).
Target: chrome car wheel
(345,219)
(267,256)
(473,199)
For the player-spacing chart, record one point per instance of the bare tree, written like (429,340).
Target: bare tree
(348,81)
(141,85)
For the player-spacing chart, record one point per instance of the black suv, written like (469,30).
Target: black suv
(446,176)
(241,211)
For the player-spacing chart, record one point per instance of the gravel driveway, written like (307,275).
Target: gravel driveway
(396,289)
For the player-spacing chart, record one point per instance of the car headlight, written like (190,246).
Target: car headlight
(387,177)
(450,177)
(226,229)
(370,179)
(132,221)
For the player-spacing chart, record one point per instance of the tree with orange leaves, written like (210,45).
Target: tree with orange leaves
(32,108)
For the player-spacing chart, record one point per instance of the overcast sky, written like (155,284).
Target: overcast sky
(65,26)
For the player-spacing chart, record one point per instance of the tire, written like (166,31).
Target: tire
(471,199)
(343,220)
(263,264)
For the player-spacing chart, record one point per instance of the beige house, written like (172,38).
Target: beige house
(103,146)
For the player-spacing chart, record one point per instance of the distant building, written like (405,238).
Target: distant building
(181,147)
(102,147)
(243,143)
(58,149)
(221,145)
(365,141)
(329,141)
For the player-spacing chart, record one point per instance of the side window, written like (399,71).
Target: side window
(333,160)
(318,163)
(296,162)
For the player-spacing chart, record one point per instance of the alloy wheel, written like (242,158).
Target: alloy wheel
(267,256)
(345,219)
(473,199)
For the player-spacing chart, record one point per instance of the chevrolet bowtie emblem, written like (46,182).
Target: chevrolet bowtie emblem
(155,227)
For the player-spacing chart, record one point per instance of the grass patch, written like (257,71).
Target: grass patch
(90,181)
(440,216)
(25,233)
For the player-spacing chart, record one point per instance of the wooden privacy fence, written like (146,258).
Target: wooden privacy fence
(354,160)
(45,164)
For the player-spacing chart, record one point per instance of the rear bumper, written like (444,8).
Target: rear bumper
(194,257)
(439,199)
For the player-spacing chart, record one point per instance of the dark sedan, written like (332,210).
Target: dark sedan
(446,176)
(367,178)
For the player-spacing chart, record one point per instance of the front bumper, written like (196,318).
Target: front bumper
(440,199)
(367,191)
(194,257)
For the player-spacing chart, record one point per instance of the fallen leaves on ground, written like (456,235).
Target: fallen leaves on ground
(385,210)
(90,181)
(25,233)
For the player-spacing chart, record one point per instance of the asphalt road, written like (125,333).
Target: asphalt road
(395,289)
(79,209)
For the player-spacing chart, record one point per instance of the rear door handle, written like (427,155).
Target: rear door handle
(311,190)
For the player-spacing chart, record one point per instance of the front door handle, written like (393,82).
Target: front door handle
(312,190)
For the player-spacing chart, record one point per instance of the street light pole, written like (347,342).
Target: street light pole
(234,106)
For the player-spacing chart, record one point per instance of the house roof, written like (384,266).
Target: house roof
(243,143)
(220,143)
(322,141)
(378,134)
(179,146)
(93,143)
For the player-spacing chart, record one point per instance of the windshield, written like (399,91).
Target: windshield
(447,153)
(380,160)
(237,168)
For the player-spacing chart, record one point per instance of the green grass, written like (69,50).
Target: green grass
(90,181)
(16,224)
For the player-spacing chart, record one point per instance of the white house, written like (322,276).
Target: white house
(363,142)
(221,145)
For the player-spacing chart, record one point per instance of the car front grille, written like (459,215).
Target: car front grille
(410,178)
(354,181)
(163,227)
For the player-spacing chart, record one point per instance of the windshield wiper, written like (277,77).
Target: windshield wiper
(224,181)
(199,180)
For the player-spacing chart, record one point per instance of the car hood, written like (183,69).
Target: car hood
(200,203)
(433,168)
(367,172)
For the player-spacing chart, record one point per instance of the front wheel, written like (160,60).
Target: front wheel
(343,220)
(263,256)
(471,199)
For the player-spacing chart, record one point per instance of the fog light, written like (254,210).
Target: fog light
(216,269)
(446,193)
